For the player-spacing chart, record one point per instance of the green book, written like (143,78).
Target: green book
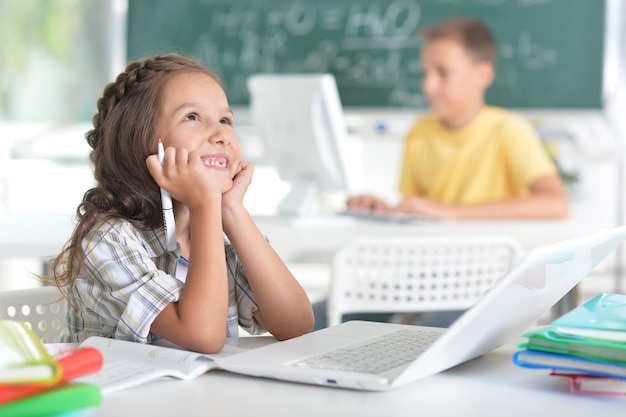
(547,340)
(68,397)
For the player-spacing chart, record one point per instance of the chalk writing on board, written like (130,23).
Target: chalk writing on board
(364,45)
(550,52)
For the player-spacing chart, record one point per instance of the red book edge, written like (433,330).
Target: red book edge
(83,361)
(575,384)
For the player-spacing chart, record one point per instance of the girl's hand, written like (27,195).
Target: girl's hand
(184,176)
(241,182)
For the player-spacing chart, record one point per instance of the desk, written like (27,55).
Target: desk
(313,241)
(488,386)
(317,240)
(39,234)
(43,232)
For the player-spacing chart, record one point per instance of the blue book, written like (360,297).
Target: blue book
(602,317)
(566,363)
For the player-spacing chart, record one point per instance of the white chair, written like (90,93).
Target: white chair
(43,309)
(411,275)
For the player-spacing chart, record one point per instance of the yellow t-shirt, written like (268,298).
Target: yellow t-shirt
(497,156)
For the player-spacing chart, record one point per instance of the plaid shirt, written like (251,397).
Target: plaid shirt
(128,278)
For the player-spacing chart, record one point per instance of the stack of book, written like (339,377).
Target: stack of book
(34,383)
(586,345)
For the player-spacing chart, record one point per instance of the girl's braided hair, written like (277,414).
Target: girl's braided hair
(123,136)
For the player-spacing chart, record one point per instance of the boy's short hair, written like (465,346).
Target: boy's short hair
(472,33)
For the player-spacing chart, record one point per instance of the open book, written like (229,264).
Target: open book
(128,364)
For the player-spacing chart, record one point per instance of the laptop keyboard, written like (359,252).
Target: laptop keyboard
(378,355)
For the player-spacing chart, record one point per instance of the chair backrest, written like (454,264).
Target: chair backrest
(399,275)
(42,308)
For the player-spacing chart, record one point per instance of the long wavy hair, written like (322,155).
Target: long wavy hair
(122,137)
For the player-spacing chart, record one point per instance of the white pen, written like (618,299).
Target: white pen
(168,213)
(165,196)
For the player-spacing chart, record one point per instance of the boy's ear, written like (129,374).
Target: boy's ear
(486,74)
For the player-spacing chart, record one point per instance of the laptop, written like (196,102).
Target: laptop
(541,279)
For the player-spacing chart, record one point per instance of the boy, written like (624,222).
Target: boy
(466,159)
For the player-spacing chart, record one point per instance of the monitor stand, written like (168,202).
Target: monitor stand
(301,199)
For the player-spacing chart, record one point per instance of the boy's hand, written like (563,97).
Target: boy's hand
(366,202)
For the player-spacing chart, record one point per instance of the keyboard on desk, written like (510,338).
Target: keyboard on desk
(386,216)
(377,355)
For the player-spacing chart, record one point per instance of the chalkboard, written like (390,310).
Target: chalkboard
(551,52)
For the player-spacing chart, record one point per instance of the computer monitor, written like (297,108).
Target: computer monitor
(300,121)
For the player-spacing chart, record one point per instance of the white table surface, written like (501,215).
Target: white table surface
(313,241)
(44,232)
(317,239)
(488,386)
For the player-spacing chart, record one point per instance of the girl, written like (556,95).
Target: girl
(120,279)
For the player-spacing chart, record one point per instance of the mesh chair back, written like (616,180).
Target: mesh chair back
(400,275)
(43,309)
